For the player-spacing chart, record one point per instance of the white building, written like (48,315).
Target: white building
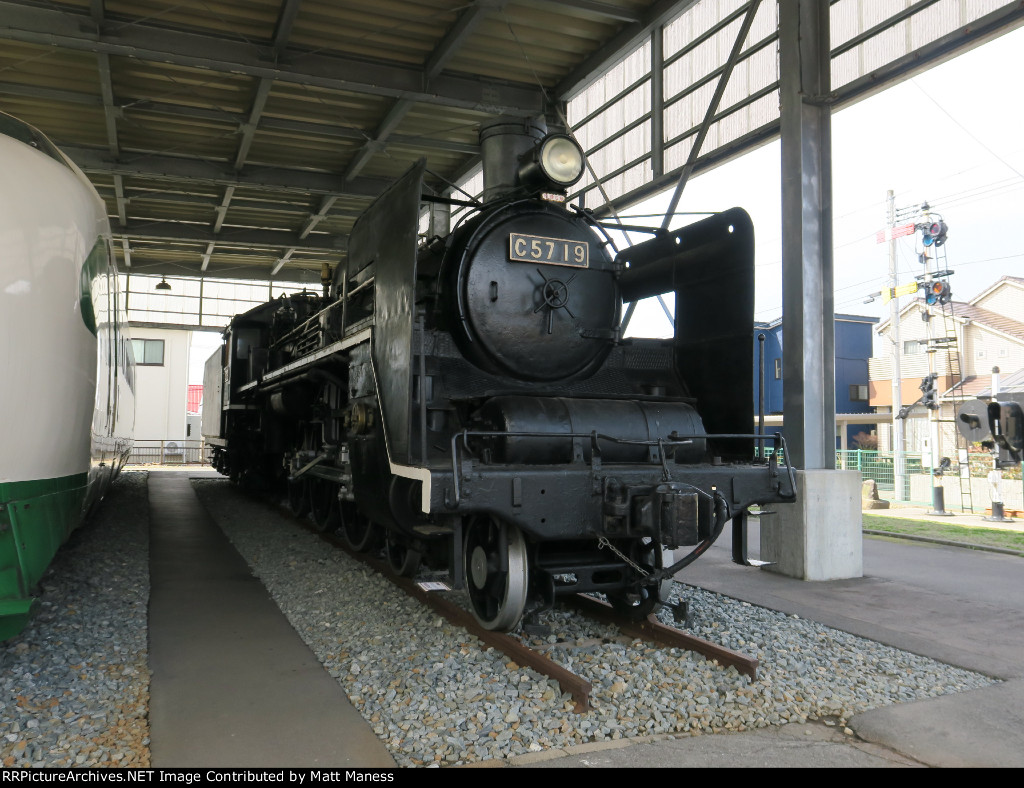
(988,331)
(161,392)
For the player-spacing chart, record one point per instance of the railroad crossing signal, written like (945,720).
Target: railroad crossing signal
(929,394)
(938,293)
(934,233)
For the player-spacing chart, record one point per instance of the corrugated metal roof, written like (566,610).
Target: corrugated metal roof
(226,135)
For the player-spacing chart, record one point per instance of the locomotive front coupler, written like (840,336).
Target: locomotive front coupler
(722,515)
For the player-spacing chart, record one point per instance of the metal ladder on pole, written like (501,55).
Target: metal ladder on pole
(945,341)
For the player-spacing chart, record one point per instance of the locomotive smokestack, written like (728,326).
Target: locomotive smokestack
(502,142)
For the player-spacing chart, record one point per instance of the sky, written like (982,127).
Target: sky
(950,137)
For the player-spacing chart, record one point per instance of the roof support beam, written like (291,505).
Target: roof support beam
(709,114)
(280,263)
(281,34)
(632,35)
(122,201)
(259,101)
(222,116)
(443,52)
(989,26)
(285,22)
(62,28)
(206,256)
(110,112)
(325,206)
(222,209)
(603,10)
(202,171)
(180,232)
(808,318)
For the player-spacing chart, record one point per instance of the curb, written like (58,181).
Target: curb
(947,542)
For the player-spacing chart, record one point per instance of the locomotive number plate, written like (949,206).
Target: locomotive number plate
(554,251)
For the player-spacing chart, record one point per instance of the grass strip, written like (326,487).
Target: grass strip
(966,534)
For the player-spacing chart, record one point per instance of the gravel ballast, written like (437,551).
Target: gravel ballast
(75,683)
(437,696)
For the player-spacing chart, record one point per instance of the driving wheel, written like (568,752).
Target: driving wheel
(496,573)
(358,531)
(298,497)
(403,560)
(323,502)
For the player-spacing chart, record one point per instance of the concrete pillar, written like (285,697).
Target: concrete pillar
(819,537)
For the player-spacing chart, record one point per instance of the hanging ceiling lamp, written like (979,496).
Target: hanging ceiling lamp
(163,284)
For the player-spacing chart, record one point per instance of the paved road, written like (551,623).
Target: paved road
(961,606)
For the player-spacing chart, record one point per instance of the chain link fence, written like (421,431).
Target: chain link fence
(966,487)
(170,452)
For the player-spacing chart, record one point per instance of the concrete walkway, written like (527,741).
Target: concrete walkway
(963,607)
(233,685)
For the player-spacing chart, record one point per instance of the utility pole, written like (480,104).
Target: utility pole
(898,453)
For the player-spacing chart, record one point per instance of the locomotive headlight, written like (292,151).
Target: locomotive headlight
(557,161)
(561,159)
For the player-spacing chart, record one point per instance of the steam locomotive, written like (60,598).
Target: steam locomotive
(470,404)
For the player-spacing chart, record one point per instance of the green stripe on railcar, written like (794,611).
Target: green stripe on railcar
(35,518)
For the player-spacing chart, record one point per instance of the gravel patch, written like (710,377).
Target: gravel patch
(436,696)
(74,685)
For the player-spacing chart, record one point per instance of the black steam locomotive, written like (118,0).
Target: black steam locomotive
(470,402)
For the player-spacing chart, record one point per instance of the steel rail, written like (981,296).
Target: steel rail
(653,630)
(577,686)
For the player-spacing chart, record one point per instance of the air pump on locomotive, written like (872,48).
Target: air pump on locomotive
(470,402)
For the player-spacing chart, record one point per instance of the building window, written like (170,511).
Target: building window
(912,347)
(981,354)
(778,369)
(148,352)
(859,392)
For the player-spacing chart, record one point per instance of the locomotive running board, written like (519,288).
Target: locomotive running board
(306,361)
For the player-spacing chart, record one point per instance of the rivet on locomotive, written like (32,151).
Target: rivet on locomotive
(469,403)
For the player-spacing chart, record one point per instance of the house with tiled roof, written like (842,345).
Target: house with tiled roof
(961,342)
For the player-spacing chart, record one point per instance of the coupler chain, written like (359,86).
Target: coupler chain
(603,542)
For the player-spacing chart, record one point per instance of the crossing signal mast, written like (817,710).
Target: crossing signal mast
(934,285)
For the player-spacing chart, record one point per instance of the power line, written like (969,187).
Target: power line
(966,130)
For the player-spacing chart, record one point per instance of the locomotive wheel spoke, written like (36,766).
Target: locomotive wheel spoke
(497,588)
(298,497)
(403,560)
(358,531)
(323,500)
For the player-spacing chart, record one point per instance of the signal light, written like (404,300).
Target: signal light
(934,234)
(929,395)
(938,293)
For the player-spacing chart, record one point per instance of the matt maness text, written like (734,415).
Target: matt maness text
(189,776)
